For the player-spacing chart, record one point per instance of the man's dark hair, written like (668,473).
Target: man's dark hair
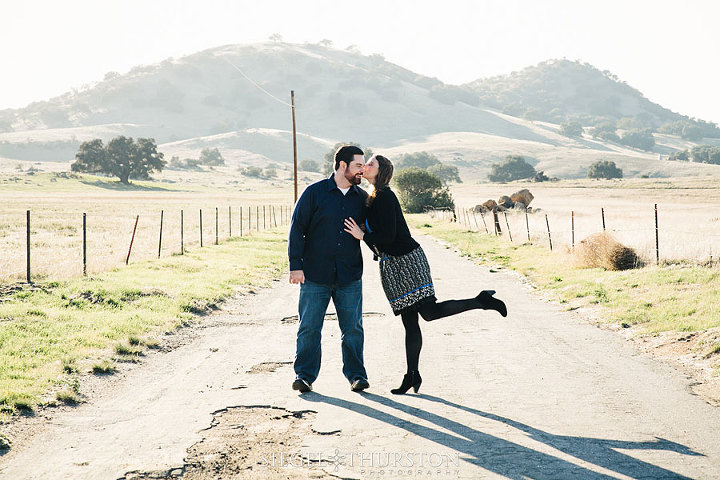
(345,154)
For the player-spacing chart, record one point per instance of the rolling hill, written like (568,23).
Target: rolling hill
(235,98)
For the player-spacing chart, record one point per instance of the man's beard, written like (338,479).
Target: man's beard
(353,179)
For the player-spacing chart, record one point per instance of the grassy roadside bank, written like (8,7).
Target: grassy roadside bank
(652,300)
(51,333)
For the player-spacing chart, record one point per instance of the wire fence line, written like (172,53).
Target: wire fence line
(36,244)
(658,234)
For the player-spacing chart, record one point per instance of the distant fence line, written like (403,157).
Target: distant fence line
(520,226)
(249,219)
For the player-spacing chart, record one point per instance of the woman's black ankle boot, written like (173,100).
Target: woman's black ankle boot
(488,302)
(410,380)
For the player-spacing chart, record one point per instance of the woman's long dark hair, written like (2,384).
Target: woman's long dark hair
(384,175)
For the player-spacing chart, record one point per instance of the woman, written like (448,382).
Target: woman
(404,270)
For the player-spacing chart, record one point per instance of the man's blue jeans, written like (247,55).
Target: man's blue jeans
(314,300)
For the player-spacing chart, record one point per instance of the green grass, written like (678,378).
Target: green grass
(78,325)
(680,298)
(104,367)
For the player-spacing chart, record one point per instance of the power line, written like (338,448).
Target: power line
(254,83)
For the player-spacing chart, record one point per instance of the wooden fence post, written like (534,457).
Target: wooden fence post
(28,247)
(229,222)
(657,238)
(508,225)
(548,230)
(132,239)
(241,223)
(572,229)
(182,233)
(477,225)
(84,244)
(217,236)
(498,230)
(602,212)
(161,227)
(482,216)
(527,225)
(201,234)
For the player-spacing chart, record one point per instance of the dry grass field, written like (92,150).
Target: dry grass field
(688,215)
(689,223)
(57,205)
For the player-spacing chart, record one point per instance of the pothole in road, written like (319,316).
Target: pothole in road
(267,367)
(253,442)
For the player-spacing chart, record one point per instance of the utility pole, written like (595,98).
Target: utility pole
(295,165)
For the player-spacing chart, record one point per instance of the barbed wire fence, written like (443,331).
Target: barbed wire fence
(657,234)
(50,245)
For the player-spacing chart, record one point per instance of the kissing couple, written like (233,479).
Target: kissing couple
(330,219)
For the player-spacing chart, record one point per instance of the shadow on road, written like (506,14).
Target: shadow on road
(511,459)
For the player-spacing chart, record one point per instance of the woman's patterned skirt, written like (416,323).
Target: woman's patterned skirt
(406,280)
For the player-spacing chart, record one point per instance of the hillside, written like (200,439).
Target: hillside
(339,95)
(203,100)
(561,90)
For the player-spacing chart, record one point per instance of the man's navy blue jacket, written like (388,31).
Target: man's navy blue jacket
(319,244)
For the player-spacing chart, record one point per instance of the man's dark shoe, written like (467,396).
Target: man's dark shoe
(359,385)
(301,385)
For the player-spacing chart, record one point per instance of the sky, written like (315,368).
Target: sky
(668,50)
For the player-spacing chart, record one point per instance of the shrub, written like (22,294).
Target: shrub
(446,173)
(571,129)
(603,251)
(513,167)
(642,139)
(211,157)
(705,154)
(252,172)
(604,169)
(417,159)
(308,165)
(420,190)
(679,155)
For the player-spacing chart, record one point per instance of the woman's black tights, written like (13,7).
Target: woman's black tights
(429,311)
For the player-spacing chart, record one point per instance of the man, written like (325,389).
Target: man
(327,263)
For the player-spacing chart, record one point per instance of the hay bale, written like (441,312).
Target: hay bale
(602,250)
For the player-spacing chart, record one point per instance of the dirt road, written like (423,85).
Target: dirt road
(541,394)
